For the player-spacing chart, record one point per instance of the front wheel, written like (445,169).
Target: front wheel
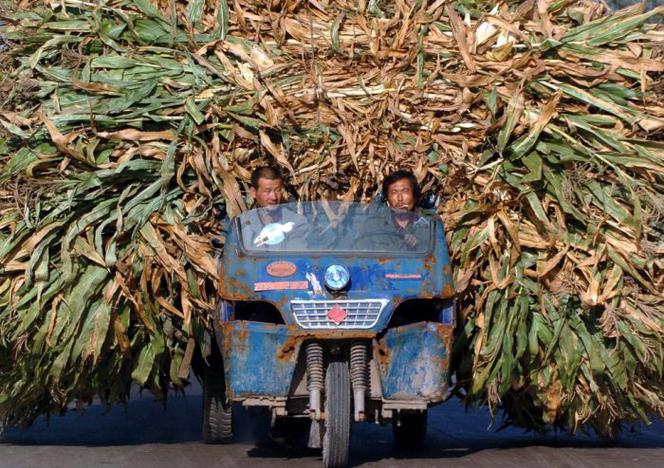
(336,440)
(411,431)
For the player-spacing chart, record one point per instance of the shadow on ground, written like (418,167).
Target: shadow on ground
(453,432)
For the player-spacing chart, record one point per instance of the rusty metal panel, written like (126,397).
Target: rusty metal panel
(414,361)
(254,363)
(280,279)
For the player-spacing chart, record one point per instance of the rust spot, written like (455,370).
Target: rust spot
(429,262)
(444,330)
(226,344)
(296,336)
(448,291)
(381,354)
(446,333)
(240,272)
(438,362)
(289,347)
(244,333)
(232,289)
(447,269)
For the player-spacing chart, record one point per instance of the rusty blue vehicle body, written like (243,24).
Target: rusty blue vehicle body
(337,292)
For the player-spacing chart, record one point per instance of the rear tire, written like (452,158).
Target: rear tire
(336,440)
(217,411)
(412,431)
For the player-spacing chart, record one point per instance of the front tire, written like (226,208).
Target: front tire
(336,440)
(412,431)
(217,411)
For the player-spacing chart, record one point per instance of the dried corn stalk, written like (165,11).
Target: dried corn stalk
(129,123)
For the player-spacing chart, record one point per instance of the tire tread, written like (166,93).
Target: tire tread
(217,412)
(336,441)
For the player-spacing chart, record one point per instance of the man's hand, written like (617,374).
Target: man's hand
(410,239)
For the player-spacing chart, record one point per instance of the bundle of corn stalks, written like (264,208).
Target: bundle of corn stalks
(128,126)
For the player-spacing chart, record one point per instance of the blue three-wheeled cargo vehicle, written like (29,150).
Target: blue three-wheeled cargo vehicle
(329,311)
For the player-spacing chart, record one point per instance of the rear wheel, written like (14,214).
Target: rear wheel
(336,440)
(217,412)
(412,431)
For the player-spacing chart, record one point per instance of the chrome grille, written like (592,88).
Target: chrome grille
(362,313)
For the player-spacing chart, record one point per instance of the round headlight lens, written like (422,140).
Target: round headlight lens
(337,277)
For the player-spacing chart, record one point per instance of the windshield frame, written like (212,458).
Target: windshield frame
(336,252)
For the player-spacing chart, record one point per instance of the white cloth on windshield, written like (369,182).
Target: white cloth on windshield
(280,226)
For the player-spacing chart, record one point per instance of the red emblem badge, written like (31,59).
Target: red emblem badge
(337,314)
(281,269)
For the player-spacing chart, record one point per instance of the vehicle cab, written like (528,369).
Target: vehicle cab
(332,311)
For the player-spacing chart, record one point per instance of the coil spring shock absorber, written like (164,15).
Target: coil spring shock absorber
(359,376)
(315,377)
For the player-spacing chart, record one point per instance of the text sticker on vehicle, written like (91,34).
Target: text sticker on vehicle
(281,269)
(411,276)
(280,285)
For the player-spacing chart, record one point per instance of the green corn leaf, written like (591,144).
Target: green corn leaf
(144,365)
(622,112)
(195,11)
(222,18)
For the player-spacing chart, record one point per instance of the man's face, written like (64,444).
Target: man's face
(268,193)
(400,195)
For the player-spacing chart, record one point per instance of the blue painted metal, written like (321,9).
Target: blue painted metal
(413,362)
(260,358)
(255,363)
(417,276)
(447,314)
(225,310)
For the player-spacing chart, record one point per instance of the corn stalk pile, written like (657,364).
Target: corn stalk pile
(128,125)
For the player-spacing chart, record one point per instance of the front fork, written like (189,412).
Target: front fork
(359,376)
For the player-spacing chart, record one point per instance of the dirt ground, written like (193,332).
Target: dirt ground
(147,434)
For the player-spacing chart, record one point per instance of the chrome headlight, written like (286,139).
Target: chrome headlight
(337,277)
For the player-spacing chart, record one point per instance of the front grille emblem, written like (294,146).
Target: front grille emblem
(337,314)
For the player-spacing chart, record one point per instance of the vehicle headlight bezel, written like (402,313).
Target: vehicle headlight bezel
(337,277)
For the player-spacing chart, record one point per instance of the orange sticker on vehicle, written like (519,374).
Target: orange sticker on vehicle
(280,285)
(402,276)
(281,269)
